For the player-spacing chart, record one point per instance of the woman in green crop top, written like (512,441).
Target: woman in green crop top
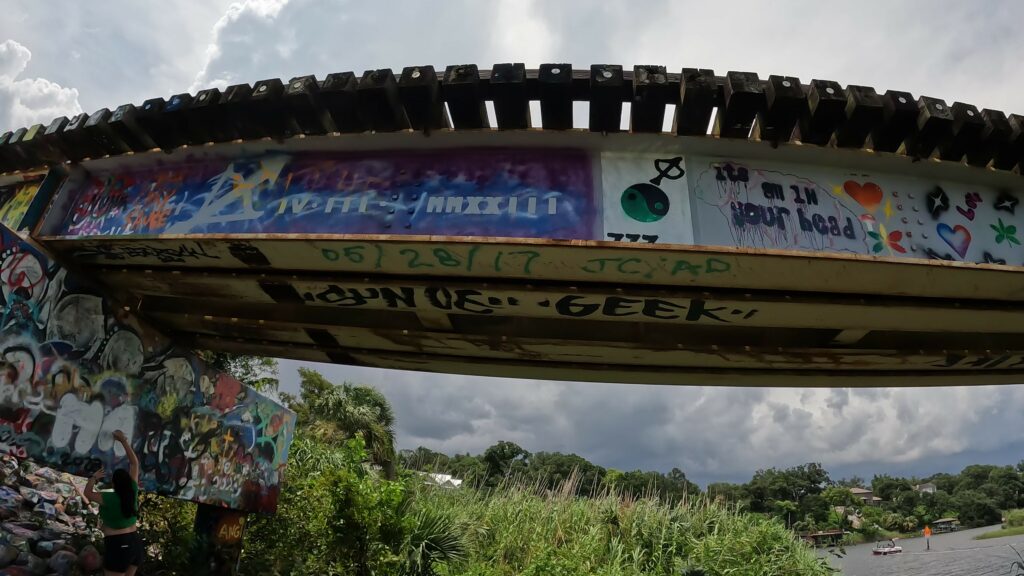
(119,510)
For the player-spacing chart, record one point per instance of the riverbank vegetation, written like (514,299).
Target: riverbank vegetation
(803,498)
(353,505)
(1013,525)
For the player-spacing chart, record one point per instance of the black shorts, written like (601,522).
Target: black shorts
(122,551)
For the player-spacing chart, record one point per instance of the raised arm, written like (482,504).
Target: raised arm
(133,460)
(90,492)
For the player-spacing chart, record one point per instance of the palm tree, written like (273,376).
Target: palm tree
(433,538)
(338,412)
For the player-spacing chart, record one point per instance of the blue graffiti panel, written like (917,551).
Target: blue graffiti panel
(495,193)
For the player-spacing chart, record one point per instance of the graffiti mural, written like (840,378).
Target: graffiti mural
(74,368)
(516,194)
(785,207)
(746,206)
(645,199)
(531,303)
(530,193)
(15,201)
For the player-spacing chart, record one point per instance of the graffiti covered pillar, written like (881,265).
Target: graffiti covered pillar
(217,544)
(76,366)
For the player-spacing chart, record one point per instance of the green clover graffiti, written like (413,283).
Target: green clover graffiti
(1004,232)
(878,242)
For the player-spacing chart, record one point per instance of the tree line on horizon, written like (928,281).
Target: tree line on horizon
(805,497)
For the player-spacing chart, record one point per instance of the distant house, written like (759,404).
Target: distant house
(866,496)
(443,480)
(945,525)
(926,488)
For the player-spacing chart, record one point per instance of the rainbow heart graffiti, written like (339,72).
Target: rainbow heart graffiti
(958,237)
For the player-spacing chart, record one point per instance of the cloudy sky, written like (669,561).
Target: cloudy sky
(67,56)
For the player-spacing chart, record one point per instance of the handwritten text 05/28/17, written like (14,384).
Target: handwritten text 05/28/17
(519,262)
(378,257)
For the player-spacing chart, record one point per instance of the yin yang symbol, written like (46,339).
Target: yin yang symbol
(644,202)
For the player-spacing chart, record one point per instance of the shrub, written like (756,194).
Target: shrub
(1014,518)
(165,525)
(334,517)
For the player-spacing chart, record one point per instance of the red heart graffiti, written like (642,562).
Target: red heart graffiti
(868,195)
(969,213)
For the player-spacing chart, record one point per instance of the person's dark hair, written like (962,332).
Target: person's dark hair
(125,493)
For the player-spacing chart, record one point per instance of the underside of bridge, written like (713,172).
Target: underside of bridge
(780,249)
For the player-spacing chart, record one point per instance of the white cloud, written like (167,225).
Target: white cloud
(114,51)
(13,59)
(710,433)
(522,33)
(256,19)
(257,39)
(28,101)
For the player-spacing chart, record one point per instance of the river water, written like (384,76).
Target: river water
(952,554)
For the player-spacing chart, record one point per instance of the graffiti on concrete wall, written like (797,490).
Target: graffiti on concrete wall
(765,205)
(531,303)
(638,198)
(15,201)
(446,259)
(511,193)
(74,368)
(741,205)
(645,199)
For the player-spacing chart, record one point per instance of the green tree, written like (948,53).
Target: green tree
(945,482)
(976,509)
(166,524)
(503,460)
(257,372)
(851,482)
(886,487)
(728,492)
(333,517)
(552,469)
(974,476)
(471,469)
(1008,487)
(613,478)
(339,412)
(872,515)
(903,500)
(784,510)
(791,484)
(939,505)
(424,459)
(671,487)
(814,506)
(677,486)
(840,496)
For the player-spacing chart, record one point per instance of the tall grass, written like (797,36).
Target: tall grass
(521,529)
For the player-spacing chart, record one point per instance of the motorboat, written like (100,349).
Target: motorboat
(886,547)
